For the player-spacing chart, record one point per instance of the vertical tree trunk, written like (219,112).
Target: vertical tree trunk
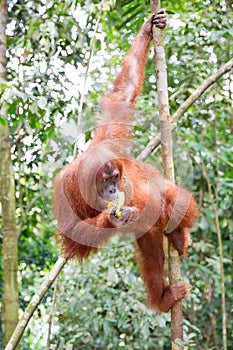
(7,198)
(167,156)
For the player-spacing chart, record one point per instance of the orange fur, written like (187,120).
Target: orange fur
(157,206)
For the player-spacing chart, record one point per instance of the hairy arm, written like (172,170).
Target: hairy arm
(91,232)
(96,231)
(128,83)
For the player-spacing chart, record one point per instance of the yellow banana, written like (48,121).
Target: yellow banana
(119,203)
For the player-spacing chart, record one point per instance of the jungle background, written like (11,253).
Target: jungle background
(100,305)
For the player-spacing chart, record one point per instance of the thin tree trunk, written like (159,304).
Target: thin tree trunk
(168,165)
(214,200)
(7,198)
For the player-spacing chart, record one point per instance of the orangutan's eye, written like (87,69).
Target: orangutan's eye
(116,178)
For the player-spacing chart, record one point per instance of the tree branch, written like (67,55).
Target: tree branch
(153,144)
(35,301)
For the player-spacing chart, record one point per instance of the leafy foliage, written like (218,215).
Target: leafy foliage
(84,317)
